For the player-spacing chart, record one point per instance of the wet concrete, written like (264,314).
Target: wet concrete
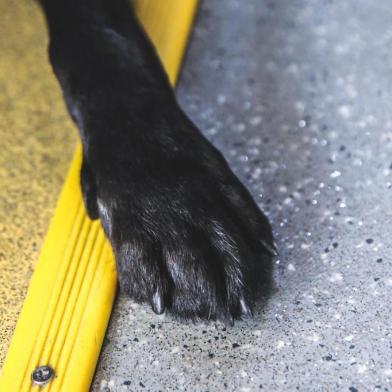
(298,96)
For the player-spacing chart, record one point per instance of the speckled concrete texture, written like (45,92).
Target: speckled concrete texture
(36,143)
(298,95)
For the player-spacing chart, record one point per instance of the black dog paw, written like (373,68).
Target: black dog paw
(187,236)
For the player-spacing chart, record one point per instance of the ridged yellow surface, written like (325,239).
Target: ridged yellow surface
(70,296)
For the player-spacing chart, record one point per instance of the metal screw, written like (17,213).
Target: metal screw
(42,375)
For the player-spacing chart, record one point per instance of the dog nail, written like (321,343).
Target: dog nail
(245,309)
(157,303)
(270,248)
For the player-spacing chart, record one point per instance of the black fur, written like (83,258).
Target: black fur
(186,234)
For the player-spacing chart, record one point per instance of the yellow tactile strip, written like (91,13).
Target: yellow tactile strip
(68,304)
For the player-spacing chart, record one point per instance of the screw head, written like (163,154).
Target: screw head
(42,375)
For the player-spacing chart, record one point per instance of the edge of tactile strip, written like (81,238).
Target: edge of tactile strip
(68,304)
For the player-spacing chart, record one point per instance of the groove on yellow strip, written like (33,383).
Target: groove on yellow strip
(68,304)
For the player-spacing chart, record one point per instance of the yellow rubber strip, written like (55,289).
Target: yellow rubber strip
(68,304)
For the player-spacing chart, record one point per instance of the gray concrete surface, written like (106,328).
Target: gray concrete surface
(298,95)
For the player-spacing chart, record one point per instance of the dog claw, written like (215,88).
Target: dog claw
(270,248)
(157,303)
(245,309)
